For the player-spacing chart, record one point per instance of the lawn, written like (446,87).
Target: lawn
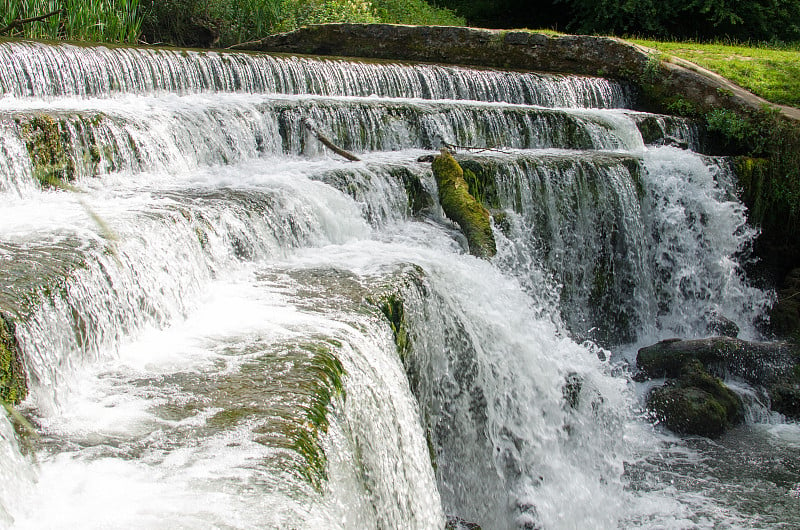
(770,72)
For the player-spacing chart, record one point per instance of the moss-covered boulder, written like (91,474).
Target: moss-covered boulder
(695,403)
(13,387)
(460,206)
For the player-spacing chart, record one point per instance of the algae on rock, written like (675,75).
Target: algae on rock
(13,387)
(46,143)
(462,207)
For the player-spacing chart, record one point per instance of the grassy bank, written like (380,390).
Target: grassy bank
(770,72)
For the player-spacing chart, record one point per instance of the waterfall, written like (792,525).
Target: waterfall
(222,325)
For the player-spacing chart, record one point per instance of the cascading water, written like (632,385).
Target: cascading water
(223,326)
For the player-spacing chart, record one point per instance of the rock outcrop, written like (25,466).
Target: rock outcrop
(575,54)
(693,401)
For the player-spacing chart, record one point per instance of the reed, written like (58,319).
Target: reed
(81,20)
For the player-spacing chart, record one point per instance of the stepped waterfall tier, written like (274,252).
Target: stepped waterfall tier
(220,323)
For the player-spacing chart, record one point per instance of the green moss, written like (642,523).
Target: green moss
(481,183)
(391,305)
(462,207)
(13,387)
(47,142)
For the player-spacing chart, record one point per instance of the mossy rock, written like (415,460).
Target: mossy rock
(46,142)
(460,206)
(785,393)
(480,178)
(688,411)
(13,388)
(391,305)
(696,403)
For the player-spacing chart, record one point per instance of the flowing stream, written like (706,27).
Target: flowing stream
(224,325)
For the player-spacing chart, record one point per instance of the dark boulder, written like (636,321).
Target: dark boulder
(758,363)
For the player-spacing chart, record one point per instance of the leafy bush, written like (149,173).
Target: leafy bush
(415,12)
(302,12)
(744,20)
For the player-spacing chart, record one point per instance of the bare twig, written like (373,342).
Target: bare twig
(454,147)
(328,143)
(22,21)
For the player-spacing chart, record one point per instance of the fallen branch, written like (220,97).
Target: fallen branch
(329,144)
(22,21)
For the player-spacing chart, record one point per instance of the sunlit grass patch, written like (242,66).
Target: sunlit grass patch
(772,72)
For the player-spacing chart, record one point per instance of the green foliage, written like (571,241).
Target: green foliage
(85,20)
(738,19)
(303,12)
(205,23)
(768,177)
(415,12)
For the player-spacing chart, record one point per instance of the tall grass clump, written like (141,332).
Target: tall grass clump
(82,20)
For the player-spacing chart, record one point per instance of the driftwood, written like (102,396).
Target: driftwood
(22,21)
(328,143)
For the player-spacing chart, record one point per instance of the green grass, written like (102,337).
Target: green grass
(770,72)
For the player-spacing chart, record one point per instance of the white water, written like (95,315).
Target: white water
(172,312)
